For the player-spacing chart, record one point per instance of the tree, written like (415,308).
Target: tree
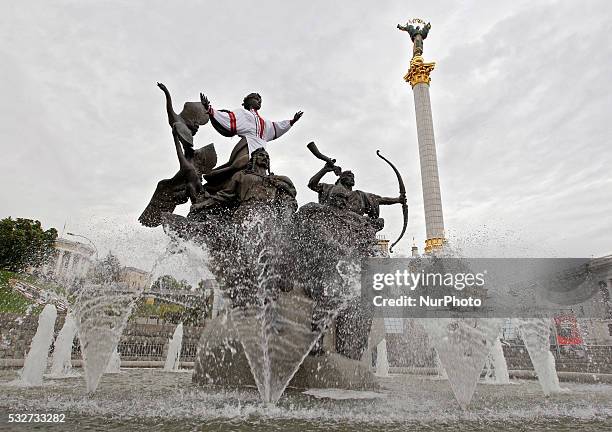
(107,270)
(24,243)
(208,294)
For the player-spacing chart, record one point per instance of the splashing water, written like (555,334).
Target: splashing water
(35,362)
(277,328)
(114,364)
(174,350)
(440,371)
(62,351)
(382,363)
(536,335)
(497,368)
(101,313)
(463,345)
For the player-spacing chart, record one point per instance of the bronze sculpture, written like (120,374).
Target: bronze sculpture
(254,183)
(187,123)
(341,194)
(264,251)
(417,35)
(186,183)
(254,130)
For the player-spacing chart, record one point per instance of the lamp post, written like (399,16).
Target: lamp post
(88,239)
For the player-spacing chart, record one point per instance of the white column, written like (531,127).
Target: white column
(432,200)
(60,254)
(78,263)
(69,268)
(418,77)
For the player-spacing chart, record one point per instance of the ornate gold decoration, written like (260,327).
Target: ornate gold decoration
(434,244)
(419,71)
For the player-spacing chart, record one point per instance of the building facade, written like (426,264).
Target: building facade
(135,279)
(71,259)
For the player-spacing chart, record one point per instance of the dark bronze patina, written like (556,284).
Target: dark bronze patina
(417,35)
(261,246)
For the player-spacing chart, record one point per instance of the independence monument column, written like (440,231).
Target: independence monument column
(418,77)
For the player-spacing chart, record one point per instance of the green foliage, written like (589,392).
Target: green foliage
(24,243)
(11,301)
(168,283)
(174,313)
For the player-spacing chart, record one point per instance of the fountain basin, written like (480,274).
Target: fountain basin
(147,399)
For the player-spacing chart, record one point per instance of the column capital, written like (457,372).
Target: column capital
(419,71)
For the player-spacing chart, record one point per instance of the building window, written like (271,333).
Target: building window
(509,331)
(610,329)
(394,325)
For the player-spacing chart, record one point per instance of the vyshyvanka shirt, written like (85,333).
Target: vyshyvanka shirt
(249,124)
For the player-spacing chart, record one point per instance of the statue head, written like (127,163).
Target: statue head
(194,115)
(347,179)
(259,158)
(252,101)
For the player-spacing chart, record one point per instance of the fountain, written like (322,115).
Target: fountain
(440,371)
(35,362)
(382,363)
(102,310)
(61,365)
(496,367)
(174,350)
(114,364)
(536,334)
(464,342)
(291,275)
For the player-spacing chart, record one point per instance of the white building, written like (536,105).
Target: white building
(71,259)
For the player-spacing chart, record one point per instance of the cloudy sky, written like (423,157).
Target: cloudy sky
(520,98)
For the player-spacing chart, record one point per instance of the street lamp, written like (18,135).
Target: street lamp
(86,238)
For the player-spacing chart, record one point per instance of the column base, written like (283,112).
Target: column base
(434,244)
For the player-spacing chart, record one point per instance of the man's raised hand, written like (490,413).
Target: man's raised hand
(329,167)
(204,101)
(296,117)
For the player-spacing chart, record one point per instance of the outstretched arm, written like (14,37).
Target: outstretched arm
(230,121)
(387,200)
(425,30)
(315,182)
(172,116)
(276,129)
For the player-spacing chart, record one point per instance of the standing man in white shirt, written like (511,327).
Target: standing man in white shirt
(247,123)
